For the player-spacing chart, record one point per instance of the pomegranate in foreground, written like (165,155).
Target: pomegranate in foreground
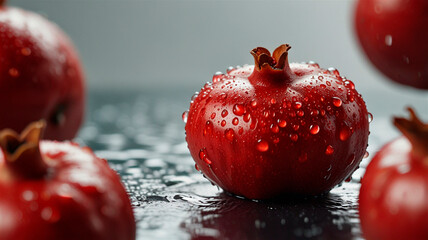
(277,128)
(57,190)
(394,190)
(40,75)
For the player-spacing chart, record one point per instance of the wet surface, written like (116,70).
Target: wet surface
(142,137)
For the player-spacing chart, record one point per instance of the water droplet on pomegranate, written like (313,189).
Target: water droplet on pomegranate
(266,113)
(294,137)
(262,145)
(223,123)
(314,112)
(235,121)
(253,103)
(238,109)
(272,101)
(197,168)
(224,113)
(388,40)
(230,69)
(208,128)
(194,96)
(349,84)
(253,124)
(184,116)
(13,72)
(322,112)
(296,127)
(300,113)
(282,123)
(213,115)
(247,117)
(223,96)
(334,71)
(323,86)
(50,214)
(241,130)
(320,78)
(204,156)
(337,102)
(276,140)
(329,150)
(229,134)
(303,158)
(274,128)
(26,51)
(370,117)
(297,105)
(314,129)
(345,133)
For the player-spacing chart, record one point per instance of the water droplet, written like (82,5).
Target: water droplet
(230,69)
(345,133)
(197,168)
(272,101)
(262,145)
(247,117)
(208,128)
(184,116)
(204,156)
(388,40)
(238,109)
(337,102)
(217,77)
(314,129)
(300,113)
(223,96)
(294,137)
(349,84)
(241,130)
(13,72)
(282,123)
(50,214)
(276,140)
(370,117)
(297,105)
(253,103)
(194,96)
(274,128)
(329,150)
(229,134)
(322,112)
(253,124)
(224,113)
(223,123)
(303,158)
(266,113)
(334,71)
(28,195)
(314,112)
(26,51)
(366,155)
(351,159)
(296,127)
(323,86)
(213,115)
(235,121)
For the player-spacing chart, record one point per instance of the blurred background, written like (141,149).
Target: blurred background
(176,45)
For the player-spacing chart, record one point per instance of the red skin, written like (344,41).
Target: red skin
(80,198)
(40,73)
(289,166)
(393,201)
(393,35)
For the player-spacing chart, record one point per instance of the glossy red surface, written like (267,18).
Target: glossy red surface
(79,198)
(40,75)
(393,35)
(261,134)
(394,195)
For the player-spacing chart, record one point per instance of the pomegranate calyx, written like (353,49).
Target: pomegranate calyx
(416,132)
(269,68)
(22,153)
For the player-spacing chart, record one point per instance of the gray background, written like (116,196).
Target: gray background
(178,44)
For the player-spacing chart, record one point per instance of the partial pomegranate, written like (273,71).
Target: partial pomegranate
(40,75)
(393,35)
(57,190)
(275,129)
(394,190)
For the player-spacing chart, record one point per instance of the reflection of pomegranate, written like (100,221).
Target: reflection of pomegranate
(273,128)
(394,190)
(394,37)
(40,75)
(59,191)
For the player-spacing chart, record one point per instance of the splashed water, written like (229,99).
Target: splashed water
(172,200)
